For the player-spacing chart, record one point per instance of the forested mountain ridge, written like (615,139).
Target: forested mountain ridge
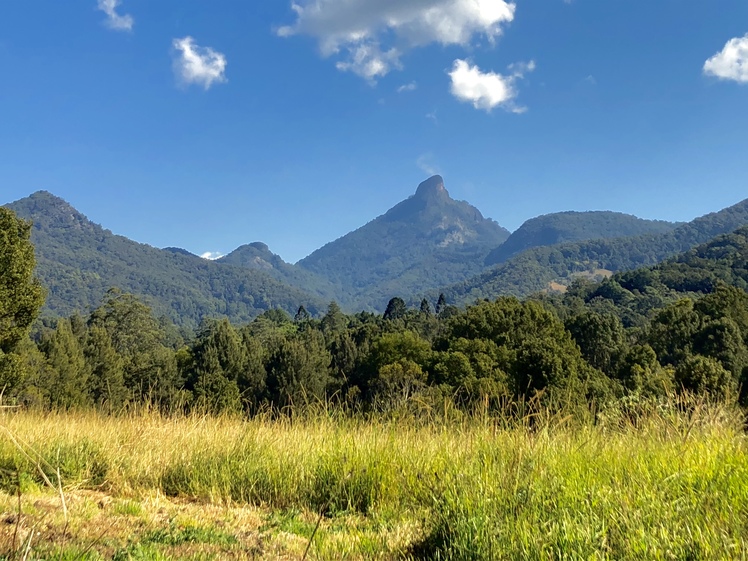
(258,256)
(567,227)
(723,261)
(534,269)
(426,241)
(78,261)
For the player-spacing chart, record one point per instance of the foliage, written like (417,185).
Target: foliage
(533,270)
(566,227)
(79,261)
(21,296)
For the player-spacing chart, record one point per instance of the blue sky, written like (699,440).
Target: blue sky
(207,125)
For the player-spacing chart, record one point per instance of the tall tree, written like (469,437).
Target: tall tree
(68,386)
(106,370)
(396,309)
(150,369)
(298,369)
(21,296)
(219,359)
(302,315)
(425,307)
(334,321)
(441,303)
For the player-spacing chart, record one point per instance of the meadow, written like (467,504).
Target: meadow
(653,480)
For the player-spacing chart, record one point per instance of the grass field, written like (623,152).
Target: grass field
(667,481)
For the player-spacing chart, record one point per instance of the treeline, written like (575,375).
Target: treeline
(680,326)
(567,354)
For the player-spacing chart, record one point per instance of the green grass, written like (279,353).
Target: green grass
(649,481)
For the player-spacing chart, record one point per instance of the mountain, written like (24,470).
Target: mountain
(426,241)
(566,227)
(535,269)
(78,261)
(257,256)
(635,295)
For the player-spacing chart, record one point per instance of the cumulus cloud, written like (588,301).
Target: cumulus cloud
(115,20)
(487,90)
(370,36)
(411,87)
(732,62)
(198,65)
(212,255)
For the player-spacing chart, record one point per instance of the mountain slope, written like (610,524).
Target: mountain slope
(257,256)
(426,241)
(566,227)
(78,261)
(533,270)
(634,295)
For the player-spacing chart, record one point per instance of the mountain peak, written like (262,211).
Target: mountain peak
(43,206)
(431,188)
(260,246)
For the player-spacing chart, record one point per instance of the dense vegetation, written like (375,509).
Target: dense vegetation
(78,261)
(425,242)
(258,256)
(534,270)
(566,227)
(681,326)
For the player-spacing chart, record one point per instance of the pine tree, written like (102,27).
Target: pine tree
(425,307)
(68,386)
(334,321)
(106,370)
(396,309)
(441,303)
(301,315)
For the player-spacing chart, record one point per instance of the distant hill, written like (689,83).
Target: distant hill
(566,227)
(257,256)
(534,269)
(426,241)
(699,271)
(78,261)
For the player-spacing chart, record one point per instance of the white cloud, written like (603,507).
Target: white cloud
(732,62)
(487,90)
(198,65)
(426,164)
(368,61)
(212,255)
(356,30)
(115,20)
(411,87)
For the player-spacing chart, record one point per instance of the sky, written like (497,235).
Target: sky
(208,125)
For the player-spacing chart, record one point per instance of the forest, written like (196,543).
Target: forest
(681,326)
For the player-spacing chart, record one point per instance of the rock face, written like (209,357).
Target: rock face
(426,241)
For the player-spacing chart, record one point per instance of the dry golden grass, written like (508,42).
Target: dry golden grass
(649,481)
